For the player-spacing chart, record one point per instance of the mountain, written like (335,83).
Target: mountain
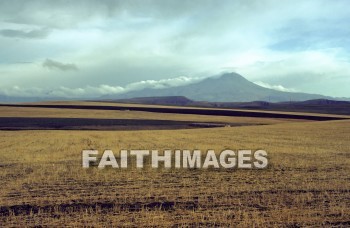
(229,87)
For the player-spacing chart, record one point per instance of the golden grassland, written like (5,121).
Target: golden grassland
(307,182)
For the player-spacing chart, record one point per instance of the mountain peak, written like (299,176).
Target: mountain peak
(231,74)
(231,78)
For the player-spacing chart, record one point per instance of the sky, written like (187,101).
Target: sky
(96,47)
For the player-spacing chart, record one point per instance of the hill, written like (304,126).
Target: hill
(314,106)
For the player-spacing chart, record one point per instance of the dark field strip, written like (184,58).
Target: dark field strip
(213,201)
(43,123)
(26,209)
(179,110)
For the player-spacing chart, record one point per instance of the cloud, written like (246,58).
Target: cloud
(163,83)
(301,44)
(275,87)
(97,91)
(65,14)
(55,65)
(30,34)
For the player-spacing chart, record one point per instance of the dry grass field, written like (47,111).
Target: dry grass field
(307,182)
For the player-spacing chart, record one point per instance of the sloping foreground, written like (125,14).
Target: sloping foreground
(307,182)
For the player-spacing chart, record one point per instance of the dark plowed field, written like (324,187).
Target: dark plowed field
(39,123)
(179,110)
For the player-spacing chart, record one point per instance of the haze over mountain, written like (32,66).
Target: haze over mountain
(229,87)
(14,99)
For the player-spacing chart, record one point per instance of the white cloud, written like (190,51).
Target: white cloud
(163,83)
(96,91)
(276,87)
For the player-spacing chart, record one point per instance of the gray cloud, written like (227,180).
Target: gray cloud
(55,65)
(31,34)
(68,14)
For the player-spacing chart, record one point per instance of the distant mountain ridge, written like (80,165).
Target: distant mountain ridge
(229,87)
(313,106)
(15,99)
(10,99)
